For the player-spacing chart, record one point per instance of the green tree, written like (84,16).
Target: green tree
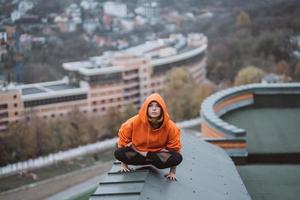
(248,75)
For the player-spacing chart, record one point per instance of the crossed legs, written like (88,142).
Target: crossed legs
(160,160)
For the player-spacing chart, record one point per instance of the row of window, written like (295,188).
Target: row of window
(131,72)
(95,110)
(4,115)
(106,93)
(4,123)
(55,100)
(103,101)
(5,106)
(104,78)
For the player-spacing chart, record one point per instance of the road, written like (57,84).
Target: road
(49,187)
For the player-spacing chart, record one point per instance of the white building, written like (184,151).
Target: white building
(115,9)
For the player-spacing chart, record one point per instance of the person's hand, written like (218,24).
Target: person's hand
(171,176)
(124,168)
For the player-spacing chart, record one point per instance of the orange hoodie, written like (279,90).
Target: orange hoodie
(143,137)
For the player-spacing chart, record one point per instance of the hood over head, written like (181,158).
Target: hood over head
(144,108)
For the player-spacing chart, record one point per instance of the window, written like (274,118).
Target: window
(4,115)
(95,110)
(54,100)
(15,96)
(3,106)
(16,113)
(15,105)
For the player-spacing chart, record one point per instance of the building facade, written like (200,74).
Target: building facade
(114,79)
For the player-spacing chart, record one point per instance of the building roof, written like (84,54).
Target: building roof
(206,172)
(269,130)
(160,51)
(270,182)
(50,89)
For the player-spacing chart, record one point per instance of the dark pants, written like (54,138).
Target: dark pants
(160,160)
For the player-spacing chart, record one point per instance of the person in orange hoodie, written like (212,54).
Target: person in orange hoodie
(150,137)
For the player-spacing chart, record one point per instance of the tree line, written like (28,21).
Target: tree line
(36,137)
(259,36)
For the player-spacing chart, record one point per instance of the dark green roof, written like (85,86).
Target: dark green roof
(269,130)
(271,182)
(206,172)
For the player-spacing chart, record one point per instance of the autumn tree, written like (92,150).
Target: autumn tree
(112,122)
(129,111)
(242,19)
(182,95)
(282,68)
(297,71)
(248,75)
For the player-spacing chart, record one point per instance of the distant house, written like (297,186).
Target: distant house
(115,9)
(3,43)
(271,78)
(15,15)
(74,13)
(24,6)
(89,4)
(3,35)
(149,9)
(275,78)
(90,25)
(65,24)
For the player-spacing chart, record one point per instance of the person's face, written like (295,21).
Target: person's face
(154,110)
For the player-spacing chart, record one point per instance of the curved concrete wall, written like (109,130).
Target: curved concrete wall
(226,135)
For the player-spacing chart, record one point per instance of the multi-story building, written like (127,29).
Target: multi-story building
(151,10)
(114,79)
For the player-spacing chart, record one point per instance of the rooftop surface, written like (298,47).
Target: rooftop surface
(269,130)
(39,88)
(205,173)
(271,182)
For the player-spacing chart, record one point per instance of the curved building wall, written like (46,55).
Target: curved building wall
(226,135)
